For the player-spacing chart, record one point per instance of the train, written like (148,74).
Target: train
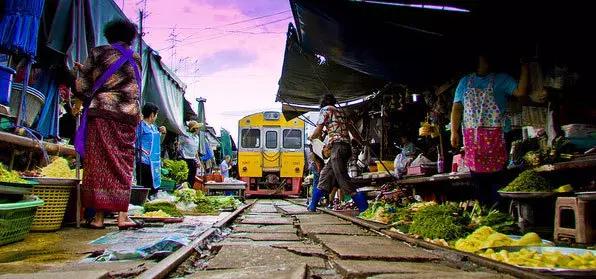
(271,154)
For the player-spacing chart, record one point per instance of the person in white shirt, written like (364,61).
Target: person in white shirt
(224,167)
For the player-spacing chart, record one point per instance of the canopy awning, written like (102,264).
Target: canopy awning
(306,77)
(420,43)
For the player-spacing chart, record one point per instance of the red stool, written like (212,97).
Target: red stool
(574,220)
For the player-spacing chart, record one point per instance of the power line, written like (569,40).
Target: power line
(233,32)
(225,25)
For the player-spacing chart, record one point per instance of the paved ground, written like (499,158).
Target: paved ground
(274,239)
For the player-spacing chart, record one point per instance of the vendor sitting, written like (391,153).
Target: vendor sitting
(405,157)
(148,149)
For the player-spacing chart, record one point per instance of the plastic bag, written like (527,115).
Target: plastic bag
(401,164)
(420,160)
(186,206)
(135,210)
(164,196)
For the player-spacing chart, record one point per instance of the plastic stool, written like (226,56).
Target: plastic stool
(582,231)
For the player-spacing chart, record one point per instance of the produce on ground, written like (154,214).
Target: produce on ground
(528,181)
(486,237)
(10,176)
(163,205)
(156,214)
(202,204)
(58,168)
(497,220)
(175,170)
(439,222)
(529,258)
(389,213)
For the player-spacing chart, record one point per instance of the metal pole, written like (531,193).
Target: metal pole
(20,111)
(78,122)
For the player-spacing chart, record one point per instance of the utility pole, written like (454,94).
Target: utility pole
(173,39)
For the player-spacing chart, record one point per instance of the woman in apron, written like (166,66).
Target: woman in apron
(481,98)
(148,149)
(109,84)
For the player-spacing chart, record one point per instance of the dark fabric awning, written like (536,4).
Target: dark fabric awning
(305,78)
(406,42)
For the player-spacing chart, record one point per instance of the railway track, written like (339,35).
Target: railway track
(281,239)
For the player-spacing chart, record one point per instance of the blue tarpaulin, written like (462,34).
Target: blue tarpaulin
(19,23)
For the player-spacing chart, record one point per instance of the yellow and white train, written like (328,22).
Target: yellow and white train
(271,154)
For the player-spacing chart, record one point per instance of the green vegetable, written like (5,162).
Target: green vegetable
(165,206)
(528,181)
(10,176)
(185,195)
(175,170)
(480,216)
(439,222)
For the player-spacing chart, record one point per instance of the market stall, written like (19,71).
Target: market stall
(546,188)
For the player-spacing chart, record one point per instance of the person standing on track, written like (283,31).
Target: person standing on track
(338,133)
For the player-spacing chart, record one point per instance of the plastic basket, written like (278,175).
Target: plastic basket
(50,216)
(34,101)
(16,219)
(138,195)
(167,185)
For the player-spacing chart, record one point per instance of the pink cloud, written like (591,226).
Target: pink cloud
(238,65)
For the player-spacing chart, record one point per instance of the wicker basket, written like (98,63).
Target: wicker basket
(16,219)
(50,216)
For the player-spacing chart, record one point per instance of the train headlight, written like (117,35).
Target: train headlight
(297,169)
(244,169)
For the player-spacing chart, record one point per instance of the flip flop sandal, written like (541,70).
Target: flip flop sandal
(135,226)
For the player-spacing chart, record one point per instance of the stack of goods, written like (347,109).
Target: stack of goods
(193,202)
(486,237)
(528,181)
(58,168)
(537,258)
(437,223)
(8,176)
(176,171)
(165,207)
(543,153)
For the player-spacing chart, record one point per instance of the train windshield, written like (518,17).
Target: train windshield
(271,139)
(251,138)
(292,139)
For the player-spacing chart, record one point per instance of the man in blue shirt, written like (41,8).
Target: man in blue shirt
(148,149)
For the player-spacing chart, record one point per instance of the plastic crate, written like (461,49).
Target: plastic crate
(16,219)
(167,185)
(50,216)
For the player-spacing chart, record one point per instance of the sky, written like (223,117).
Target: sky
(227,51)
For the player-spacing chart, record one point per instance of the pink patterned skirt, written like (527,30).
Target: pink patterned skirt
(108,165)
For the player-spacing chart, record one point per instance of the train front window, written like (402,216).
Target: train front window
(251,138)
(292,139)
(271,139)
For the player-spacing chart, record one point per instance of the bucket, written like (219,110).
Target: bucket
(34,101)
(5,84)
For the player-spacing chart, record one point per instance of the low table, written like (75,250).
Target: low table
(238,188)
